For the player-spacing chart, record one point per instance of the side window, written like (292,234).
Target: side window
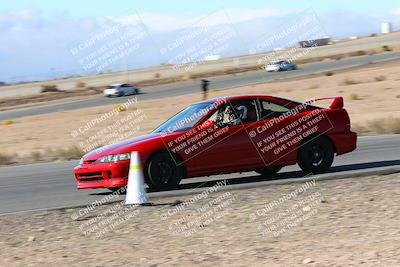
(235,113)
(246,110)
(240,112)
(226,116)
(271,110)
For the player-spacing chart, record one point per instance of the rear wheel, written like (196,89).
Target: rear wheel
(164,171)
(269,171)
(316,156)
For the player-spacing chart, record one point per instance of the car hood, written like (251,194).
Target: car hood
(125,146)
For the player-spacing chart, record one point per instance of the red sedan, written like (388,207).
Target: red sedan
(226,135)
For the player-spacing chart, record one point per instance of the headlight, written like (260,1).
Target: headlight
(114,158)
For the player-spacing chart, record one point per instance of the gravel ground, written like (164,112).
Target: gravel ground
(346,222)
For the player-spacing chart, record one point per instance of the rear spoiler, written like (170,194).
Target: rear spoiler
(337,102)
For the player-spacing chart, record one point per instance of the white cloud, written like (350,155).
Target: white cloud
(31,43)
(396,12)
(170,22)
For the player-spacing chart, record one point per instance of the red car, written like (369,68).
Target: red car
(226,135)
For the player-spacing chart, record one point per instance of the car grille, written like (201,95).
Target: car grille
(91,177)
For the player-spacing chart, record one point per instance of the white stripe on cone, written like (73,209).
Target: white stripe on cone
(135,193)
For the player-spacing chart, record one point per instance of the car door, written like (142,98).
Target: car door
(271,133)
(230,147)
(123,89)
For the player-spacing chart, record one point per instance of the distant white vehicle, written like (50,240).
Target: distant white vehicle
(120,89)
(212,57)
(280,65)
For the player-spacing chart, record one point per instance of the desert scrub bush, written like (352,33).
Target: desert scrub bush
(388,125)
(386,48)
(314,86)
(329,73)
(5,159)
(157,75)
(354,96)
(349,81)
(80,85)
(380,78)
(36,156)
(73,152)
(7,122)
(337,57)
(357,53)
(47,88)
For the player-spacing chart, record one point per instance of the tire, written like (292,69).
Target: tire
(163,171)
(316,156)
(269,171)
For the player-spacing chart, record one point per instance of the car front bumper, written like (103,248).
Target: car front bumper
(102,175)
(272,68)
(111,93)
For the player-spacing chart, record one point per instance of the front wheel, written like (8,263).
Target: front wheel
(164,171)
(316,155)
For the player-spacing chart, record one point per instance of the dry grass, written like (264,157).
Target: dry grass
(386,48)
(314,86)
(357,53)
(80,85)
(349,81)
(7,122)
(48,88)
(5,159)
(354,96)
(384,125)
(71,153)
(36,156)
(380,78)
(337,57)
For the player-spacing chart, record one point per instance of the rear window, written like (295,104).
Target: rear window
(271,110)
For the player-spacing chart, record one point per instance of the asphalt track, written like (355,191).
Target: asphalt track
(219,83)
(51,185)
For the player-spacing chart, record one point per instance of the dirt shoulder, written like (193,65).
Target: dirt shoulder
(346,222)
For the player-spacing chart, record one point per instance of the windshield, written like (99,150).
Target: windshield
(186,119)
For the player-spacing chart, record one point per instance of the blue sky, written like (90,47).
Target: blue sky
(36,37)
(102,8)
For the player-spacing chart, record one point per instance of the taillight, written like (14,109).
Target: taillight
(347,121)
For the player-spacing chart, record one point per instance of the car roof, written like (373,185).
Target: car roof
(235,97)
(276,61)
(116,84)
